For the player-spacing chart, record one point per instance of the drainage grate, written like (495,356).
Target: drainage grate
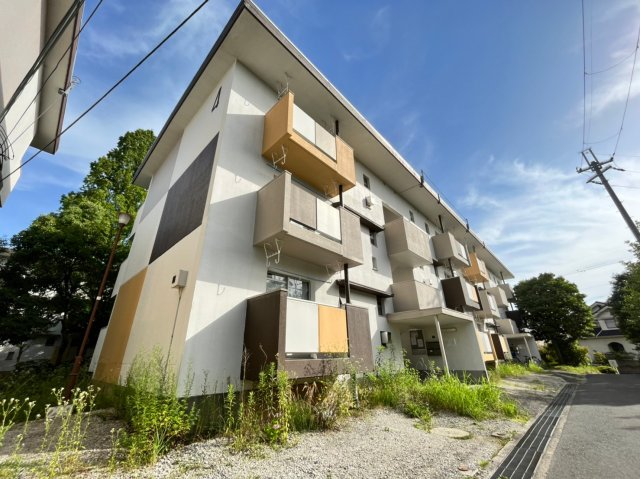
(522,461)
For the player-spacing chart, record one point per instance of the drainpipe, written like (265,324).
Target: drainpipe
(444,353)
(347,285)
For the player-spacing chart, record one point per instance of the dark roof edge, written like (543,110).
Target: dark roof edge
(223,35)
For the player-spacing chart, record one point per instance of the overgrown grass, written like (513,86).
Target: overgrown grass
(514,370)
(588,369)
(403,390)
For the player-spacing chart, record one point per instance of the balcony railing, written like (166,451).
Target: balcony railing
(305,338)
(507,326)
(407,245)
(294,142)
(414,295)
(488,306)
(460,294)
(446,247)
(477,272)
(293,221)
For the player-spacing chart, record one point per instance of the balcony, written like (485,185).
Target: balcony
(305,338)
(500,296)
(296,143)
(459,294)
(507,326)
(486,347)
(508,291)
(407,245)
(477,272)
(488,306)
(446,247)
(414,295)
(293,221)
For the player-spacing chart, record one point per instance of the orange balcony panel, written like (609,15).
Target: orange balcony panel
(477,272)
(307,150)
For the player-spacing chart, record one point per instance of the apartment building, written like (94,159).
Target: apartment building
(38,40)
(281,226)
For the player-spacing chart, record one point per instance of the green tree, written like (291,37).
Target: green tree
(625,298)
(555,311)
(56,264)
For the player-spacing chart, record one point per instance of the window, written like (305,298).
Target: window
(10,355)
(296,287)
(51,340)
(380,303)
(426,227)
(373,237)
(366,182)
(616,348)
(411,217)
(374,263)
(611,323)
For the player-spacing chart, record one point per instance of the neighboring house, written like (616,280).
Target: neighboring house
(607,336)
(279,222)
(42,348)
(32,111)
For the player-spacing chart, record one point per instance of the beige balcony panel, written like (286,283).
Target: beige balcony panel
(314,155)
(414,295)
(407,245)
(328,219)
(507,326)
(508,291)
(326,141)
(334,241)
(500,296)
(477,272)
(446,247)
(302,327)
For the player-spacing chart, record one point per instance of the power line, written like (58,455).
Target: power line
(584,83)
(56,67)
(108,92)
(614,65)
(626,103)
(51,42)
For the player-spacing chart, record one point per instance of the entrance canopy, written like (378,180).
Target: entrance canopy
(427,317)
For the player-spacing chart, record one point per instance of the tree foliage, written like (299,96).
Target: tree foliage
(56,264)
(555,311)
(625,298)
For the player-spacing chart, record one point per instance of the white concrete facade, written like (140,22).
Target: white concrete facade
(204,323)
(35,118)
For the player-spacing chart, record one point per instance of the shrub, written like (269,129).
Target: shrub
(600,358)
(158,419)
(607,370)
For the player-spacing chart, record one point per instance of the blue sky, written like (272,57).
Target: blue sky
(485,97)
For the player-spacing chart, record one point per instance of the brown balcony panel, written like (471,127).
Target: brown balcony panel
(324,162)
(446,248)
(458,294)
(407,245)
(488,306)
(305,226)
(414,295)
(477,272)
(500,296)
(340,338)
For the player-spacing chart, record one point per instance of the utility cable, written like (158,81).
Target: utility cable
(626,103)
(108,92)
(614,65)
(51,42)
(584,83)
(56,67)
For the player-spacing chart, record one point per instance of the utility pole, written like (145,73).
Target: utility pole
(596,165)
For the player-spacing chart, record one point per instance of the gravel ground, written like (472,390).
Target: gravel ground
(378,444)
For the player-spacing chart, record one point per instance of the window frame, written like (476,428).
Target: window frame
(288,278)
(366,181)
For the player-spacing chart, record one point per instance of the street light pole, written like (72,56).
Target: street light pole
(123,220)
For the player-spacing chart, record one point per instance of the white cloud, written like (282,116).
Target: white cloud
(379,34)
(539,218)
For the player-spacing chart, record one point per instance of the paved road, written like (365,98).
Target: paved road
(601,437)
